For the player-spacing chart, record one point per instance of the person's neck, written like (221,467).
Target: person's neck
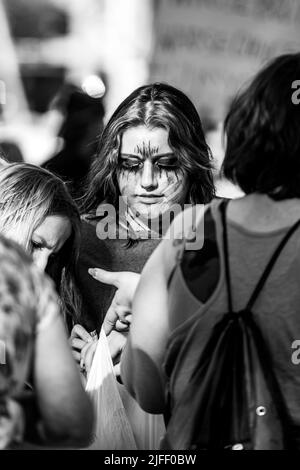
(260,213)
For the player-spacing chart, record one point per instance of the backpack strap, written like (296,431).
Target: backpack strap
(270,265)
(267,270)
(200,268)
(223,206)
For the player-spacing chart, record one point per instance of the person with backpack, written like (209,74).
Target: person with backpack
(213,328)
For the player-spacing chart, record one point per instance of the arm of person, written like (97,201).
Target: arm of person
(66,411)
(143,356)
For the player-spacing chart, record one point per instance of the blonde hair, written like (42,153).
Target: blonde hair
(29,194)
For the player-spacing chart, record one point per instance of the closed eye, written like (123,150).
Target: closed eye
(36,245)
(167,162)
(131,162)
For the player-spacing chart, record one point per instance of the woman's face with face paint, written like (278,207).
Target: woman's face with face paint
(150,177)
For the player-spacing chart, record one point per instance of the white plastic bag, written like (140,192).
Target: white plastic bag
(112,428)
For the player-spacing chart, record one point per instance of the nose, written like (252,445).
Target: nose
(149,179)
(41,259)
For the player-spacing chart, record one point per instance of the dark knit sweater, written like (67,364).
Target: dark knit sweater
(112,255)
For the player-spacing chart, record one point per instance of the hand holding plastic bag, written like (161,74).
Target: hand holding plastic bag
(112,428)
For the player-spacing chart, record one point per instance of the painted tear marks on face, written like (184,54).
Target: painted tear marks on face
(177,172)
(146,151)
(163,173)
(174,188)
(168,190)
(150,176)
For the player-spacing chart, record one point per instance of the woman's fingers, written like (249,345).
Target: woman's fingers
(79,332)
(78,339)
(123,313)
(77,356)
(124,318)
(107,277)
(126,283)
(87,356)
(121,326)
(111,317)
(117,317)
(78,344)
(116,342)
(82,356)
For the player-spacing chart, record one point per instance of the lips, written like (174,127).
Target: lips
(150,195)
(149,198)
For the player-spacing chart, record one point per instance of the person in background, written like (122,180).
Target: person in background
(80,130)
(37,211)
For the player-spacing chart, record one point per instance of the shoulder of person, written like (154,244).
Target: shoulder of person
(187,223)
(185,233)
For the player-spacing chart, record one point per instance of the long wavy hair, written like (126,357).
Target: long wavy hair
(262,132)
(29,194)
(156,106)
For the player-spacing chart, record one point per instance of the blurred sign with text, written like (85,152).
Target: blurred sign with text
(209,48)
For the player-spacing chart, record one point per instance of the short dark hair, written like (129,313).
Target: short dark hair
(156,105)
(262,128)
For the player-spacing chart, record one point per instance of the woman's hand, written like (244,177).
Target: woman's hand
(118,316)
(116,343)
(87,356)
(79,339)
(11,424)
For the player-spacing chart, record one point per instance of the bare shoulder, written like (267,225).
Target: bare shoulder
(185,233)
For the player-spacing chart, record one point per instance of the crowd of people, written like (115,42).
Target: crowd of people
(196,295)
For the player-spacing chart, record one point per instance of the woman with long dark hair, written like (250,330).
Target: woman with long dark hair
(152,157)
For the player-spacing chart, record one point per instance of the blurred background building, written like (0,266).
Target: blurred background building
(106,48)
